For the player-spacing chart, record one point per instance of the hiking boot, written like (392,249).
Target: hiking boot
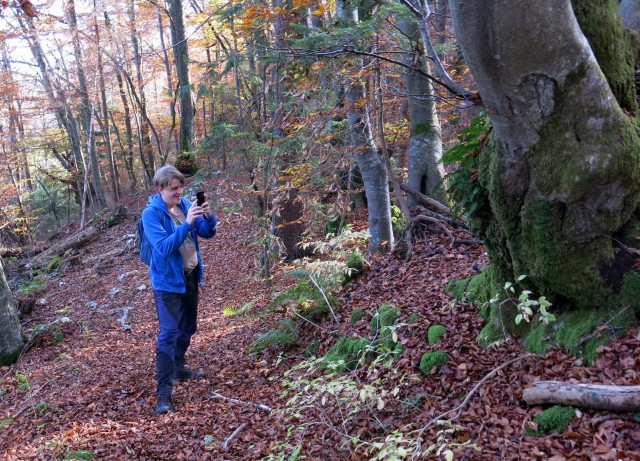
(186,374)
(164,404)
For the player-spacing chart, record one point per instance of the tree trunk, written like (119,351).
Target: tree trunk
(105,114)
(425,145)
(86,110)
(559,179)
(181,58)
(11,337)
(596,396)
(372,166)
(145,137)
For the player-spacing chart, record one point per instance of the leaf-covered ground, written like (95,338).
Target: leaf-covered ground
(86,386)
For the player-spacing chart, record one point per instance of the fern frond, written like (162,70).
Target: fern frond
(273,337)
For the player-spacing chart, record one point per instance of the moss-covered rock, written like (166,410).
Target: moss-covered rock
(435,332)
(357,315)
(553,420)
(433,359)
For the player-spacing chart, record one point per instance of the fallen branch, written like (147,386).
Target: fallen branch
(595,396)
(77,240)
(460,407)
(427,201)
(262,407)
(335,317)
(233,436)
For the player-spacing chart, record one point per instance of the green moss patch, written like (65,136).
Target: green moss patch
(554,420)
(357,315)
(431,360)
(385,317)
(435,332)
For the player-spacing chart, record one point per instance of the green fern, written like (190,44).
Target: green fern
(273,337)
(233,311)
(347,353)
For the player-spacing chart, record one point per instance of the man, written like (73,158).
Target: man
(172,225)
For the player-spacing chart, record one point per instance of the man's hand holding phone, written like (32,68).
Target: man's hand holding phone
(201,201)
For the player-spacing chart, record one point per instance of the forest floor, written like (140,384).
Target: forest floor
(86,387)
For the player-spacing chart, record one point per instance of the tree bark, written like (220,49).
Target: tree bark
(559,178)
(11,336)
(145,137)
(425,144)
(372,166)
(181,58)
(596,396)
(86,108)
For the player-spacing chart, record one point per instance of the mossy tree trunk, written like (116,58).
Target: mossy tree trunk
(559,180)
(11,337)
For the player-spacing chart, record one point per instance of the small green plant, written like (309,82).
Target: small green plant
(525,305)
(53,265)
(435,332)
(413,318)
(42,408)
(80,455)
(431,360)
(5,423)
(554,419)
(233,311)
(357,315)
(312,349)
(32,286)
(283,454)
(23,382)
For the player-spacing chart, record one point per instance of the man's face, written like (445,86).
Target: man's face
(172,194)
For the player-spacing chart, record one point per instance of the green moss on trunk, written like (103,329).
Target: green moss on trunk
(613,45)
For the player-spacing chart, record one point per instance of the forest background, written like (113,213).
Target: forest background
(326,108)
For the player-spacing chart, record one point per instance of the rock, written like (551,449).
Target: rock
(114,291)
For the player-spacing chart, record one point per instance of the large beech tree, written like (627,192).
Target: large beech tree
(559,177)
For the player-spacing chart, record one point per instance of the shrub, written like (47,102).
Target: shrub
(435,332)
(431,360)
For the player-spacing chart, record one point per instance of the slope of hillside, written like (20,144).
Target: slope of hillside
(87,385)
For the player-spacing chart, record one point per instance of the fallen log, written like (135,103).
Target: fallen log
(426,201)
(596,396)
(77,240)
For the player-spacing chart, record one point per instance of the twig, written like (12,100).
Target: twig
(233,436)
(460,407)
(325,299)
(248,404)
(314,324)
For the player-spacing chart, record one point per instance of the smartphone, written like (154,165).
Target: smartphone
(200,198)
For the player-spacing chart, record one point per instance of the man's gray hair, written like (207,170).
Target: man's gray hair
(164,175)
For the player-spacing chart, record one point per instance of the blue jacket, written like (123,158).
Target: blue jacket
(167,266)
